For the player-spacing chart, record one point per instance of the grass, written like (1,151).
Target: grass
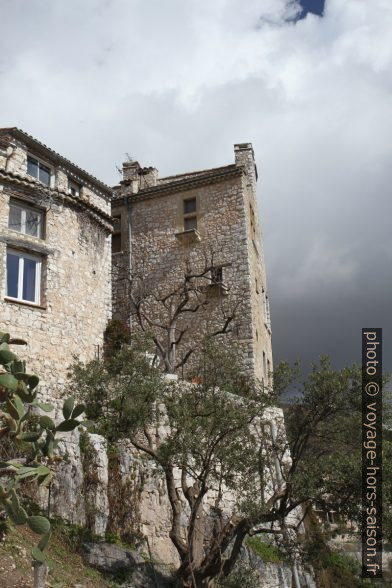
(264,550)
(68,566)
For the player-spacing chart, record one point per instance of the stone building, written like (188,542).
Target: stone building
(64,235)
(55,251)
(55,256)
(203,223)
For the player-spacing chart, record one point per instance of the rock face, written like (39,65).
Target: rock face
(126,563)
(114,490)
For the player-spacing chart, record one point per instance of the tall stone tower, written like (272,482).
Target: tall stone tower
(204,224)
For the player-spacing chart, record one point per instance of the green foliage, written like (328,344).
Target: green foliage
(332,569)
(73,535)
(218,436)
(262,549)
(208,423)
(32,436)
(323,424)
(119,392)
(117,334)
(83,441)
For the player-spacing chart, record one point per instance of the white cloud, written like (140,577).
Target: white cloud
(177,83)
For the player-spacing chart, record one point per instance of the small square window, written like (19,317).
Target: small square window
(190,223)
(25,219)
(38,170)
(23,276)
(217,275)
(190,206)
(74,188)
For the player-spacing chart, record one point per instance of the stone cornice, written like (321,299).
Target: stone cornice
(188,183)
(16,180)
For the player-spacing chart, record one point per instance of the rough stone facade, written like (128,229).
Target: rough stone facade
(72,301)
(156,246)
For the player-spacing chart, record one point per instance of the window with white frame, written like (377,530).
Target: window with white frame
(39,170)
(26,219)
(23,276)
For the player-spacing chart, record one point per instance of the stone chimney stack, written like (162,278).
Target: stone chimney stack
(244,156)
(131,176)
(148,177)
(137,178)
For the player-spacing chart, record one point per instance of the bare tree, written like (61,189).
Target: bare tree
(181,309)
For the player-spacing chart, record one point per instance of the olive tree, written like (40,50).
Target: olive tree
(230,470)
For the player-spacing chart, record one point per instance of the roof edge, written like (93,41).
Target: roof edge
(51,154)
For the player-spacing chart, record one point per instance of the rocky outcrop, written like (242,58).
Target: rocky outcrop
(134,571)
(113,489)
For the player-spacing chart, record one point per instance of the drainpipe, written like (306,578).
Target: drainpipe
(129,218)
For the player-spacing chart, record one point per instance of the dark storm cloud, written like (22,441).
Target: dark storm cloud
(175,84)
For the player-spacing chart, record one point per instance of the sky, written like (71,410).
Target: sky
(175,84)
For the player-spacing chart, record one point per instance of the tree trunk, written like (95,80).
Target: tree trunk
(40,573)
(195,581)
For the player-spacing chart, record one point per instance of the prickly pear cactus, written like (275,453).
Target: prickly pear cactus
(18,399)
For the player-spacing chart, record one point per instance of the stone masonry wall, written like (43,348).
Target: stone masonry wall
(261,329)
(160,256)
(76,279)
(229,228)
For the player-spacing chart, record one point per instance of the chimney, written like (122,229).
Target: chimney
(137,178)
(244,156)
(130,172)
(148,177)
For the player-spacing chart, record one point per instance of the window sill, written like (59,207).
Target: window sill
(26,243)
(218,288)
(20,234)
(41,183)
(191,236)
(24,303)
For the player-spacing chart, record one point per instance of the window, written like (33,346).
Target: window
(116,237)
(252,221)
(190,214)
(25,219)
(38,170)
(267,313)
(74,188)
(217,275)
(23,276)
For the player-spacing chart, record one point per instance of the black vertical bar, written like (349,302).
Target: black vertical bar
(372,453)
